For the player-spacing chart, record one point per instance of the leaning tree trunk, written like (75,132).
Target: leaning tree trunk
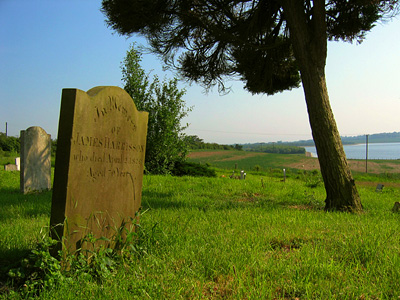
(341,192)
(309,40)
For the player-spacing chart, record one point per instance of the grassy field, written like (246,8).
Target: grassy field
(221,238)
(246,160)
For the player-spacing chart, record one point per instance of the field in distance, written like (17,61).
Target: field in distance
(246,160)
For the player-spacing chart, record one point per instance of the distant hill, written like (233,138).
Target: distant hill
(393,137)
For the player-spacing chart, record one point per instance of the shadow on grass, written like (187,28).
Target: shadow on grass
(9,190)
(157,200)
(11,259)
(16,205)
(168,200)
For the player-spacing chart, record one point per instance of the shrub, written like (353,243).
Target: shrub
(53,147)
(9,143)
(163,100)
(183,168)
(257,168)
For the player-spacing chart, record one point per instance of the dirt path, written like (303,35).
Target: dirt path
(219,153)
(355,165)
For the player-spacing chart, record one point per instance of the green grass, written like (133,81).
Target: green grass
(221,238)
(21,217)
(7,157)
(246,160)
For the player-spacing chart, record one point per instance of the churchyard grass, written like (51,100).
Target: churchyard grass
(221,238)
(21,217)
(245,160)
(7,157)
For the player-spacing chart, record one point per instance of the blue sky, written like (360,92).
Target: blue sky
(47,45)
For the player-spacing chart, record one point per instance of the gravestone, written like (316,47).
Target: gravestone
(99,166)
(10,167)
(379,187)
(35,160)
(18,163)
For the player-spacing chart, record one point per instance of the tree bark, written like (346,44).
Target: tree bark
(341,192)
(309,40)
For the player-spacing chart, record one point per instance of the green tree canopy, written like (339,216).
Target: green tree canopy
(217,38)
(166,107)
(9,143)
(271,45)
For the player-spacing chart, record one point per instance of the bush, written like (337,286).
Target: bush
(9,143)
(163,100)
(257,168)
(194,143)
(183,168)
(53,147)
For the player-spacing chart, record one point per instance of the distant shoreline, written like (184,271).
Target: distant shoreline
(377,138)
(376,151)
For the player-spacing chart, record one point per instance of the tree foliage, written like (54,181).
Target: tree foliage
(274,148)
(163,101)
(271,45)
(196,143)
(251,39)
(9,143)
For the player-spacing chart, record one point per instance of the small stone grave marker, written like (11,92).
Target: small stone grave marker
(99,166)
(35,160)
(10,167)
(379,187)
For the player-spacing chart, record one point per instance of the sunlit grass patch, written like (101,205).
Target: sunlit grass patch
(223,238)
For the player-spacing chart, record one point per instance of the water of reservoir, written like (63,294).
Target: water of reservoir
(375,151)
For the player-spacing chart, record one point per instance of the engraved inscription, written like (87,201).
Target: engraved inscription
(106,157)
(106,143)
(114,162)
(104,172)
(113,104)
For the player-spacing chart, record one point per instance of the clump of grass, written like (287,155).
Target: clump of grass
(40,270)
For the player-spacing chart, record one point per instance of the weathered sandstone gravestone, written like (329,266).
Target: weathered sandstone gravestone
(379,187)
(35,160)
(99,166)
(10,167)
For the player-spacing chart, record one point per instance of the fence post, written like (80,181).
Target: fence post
(366,154)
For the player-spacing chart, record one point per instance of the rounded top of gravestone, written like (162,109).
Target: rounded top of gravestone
(36,128)
(97,89)
(35,131)
(108,90)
